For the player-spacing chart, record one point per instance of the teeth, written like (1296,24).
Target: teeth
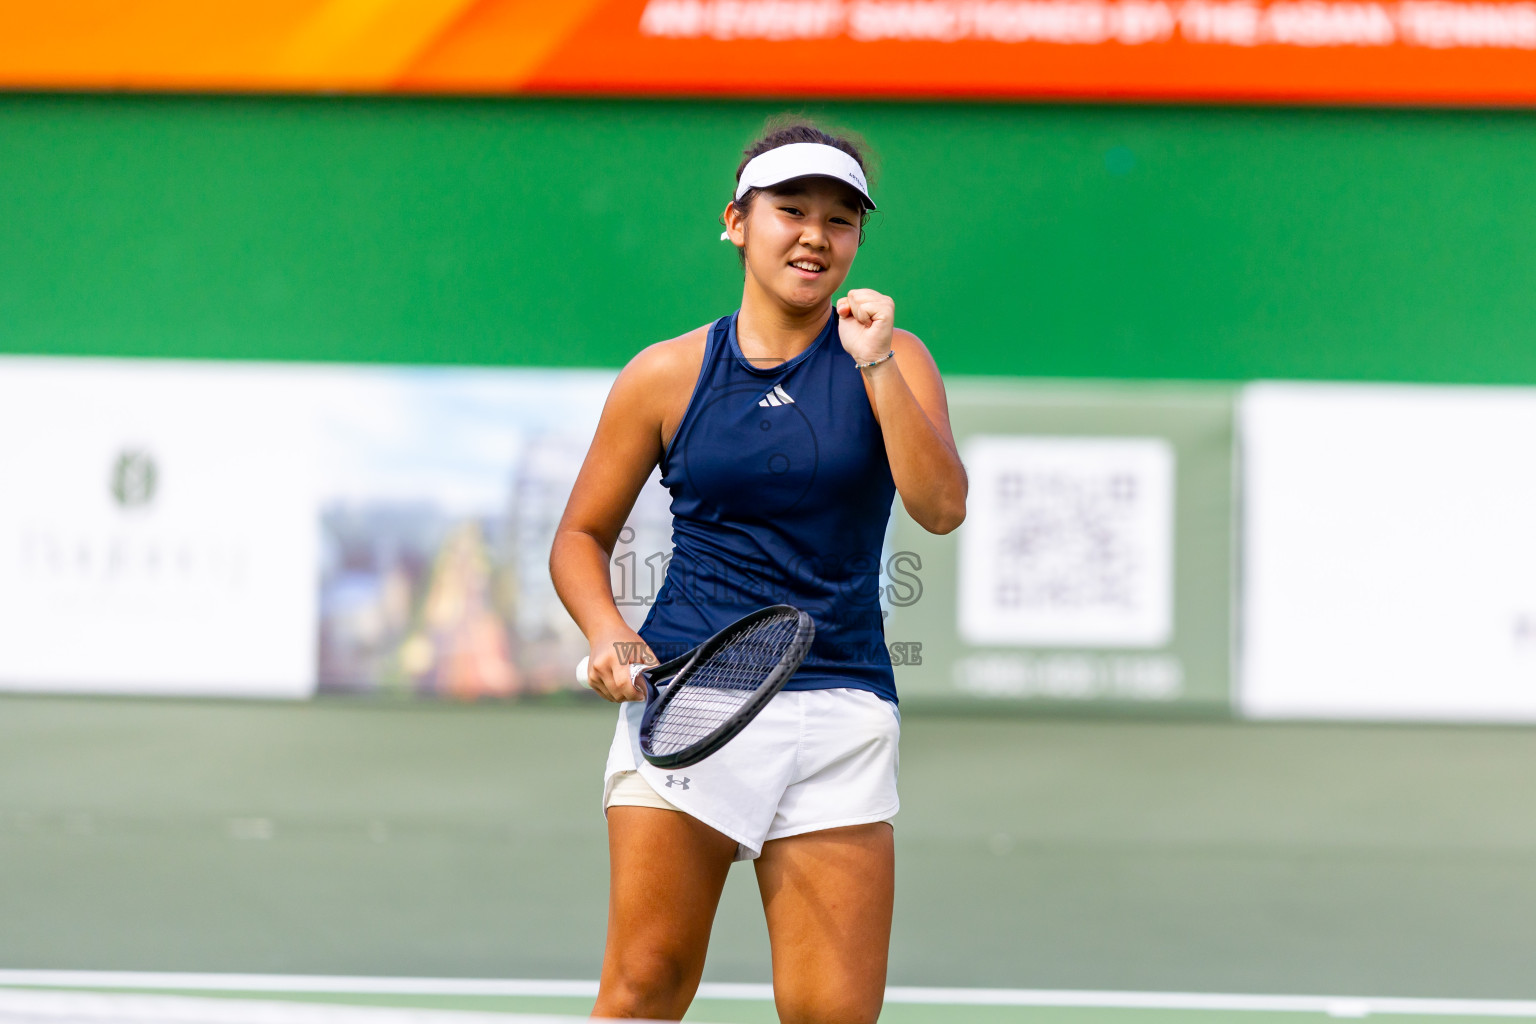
(807,265)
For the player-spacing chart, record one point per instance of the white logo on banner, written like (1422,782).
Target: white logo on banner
(1068,542)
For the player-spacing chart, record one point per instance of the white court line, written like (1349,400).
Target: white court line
(1334,1006)
(31,1006)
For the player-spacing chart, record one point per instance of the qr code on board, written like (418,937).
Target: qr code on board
(1068,542)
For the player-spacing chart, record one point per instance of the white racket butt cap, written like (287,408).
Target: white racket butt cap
(585,663)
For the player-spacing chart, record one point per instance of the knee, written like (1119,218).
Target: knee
(652,984)
(828,1008)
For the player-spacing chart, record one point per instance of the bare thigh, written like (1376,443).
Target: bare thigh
(828,898)
(666,872)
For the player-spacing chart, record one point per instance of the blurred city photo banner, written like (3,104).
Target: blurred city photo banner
(437,511)
(1389,560)
(1095,563)
(1326,51)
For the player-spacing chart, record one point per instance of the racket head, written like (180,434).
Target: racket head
(723,685)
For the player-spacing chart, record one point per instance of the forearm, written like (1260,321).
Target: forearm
(927,470)
(578,567)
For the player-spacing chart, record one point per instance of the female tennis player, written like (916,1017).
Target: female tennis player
(783,431)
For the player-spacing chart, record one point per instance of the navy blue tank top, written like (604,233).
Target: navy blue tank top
(780,494)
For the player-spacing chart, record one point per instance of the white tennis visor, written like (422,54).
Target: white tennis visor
(803,160)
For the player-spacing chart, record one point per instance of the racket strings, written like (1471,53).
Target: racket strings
(722,684)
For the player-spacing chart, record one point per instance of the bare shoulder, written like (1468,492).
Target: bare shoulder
(658,369)
(661,366)
(657,383)
(905,343)
(916,363)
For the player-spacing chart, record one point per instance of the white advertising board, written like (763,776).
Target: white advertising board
(157,529)
(1389,552)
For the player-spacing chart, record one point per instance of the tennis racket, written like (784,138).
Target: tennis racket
(695,703)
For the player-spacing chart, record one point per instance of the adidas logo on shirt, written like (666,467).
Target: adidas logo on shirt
(778,396)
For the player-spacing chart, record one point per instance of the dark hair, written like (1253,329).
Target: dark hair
(785,130)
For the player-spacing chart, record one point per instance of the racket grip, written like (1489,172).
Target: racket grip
(583,665)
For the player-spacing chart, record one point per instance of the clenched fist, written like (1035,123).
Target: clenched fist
(865,320)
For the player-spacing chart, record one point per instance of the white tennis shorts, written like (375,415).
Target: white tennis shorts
(811,760)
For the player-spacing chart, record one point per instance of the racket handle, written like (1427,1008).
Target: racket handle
(586,661)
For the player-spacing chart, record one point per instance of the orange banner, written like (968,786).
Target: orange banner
(1325,51)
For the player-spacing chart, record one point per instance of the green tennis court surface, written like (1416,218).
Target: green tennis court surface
(1033,855)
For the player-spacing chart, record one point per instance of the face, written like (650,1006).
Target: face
(799,238)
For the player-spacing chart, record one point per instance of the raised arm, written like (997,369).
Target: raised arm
(907,395)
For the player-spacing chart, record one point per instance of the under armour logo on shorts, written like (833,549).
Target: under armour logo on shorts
(673,781)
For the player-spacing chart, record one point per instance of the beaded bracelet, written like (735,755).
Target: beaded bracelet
(874,362)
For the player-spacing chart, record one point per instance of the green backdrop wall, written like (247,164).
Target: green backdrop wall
(1210,243)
